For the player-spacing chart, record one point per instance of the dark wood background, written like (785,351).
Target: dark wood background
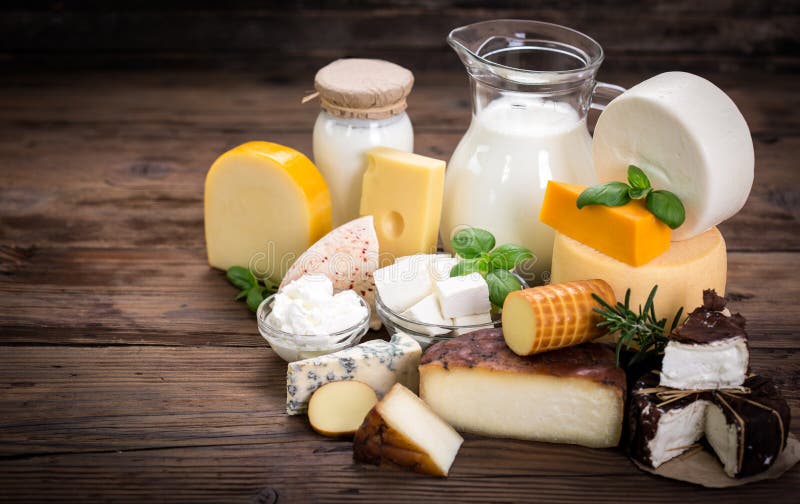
(127,371)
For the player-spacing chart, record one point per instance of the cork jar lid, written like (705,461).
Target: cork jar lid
(363,88)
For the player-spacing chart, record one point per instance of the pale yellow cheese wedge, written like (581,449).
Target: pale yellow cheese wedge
(403,192)
(338,408)
(681,273)
(265,204)
(402,431)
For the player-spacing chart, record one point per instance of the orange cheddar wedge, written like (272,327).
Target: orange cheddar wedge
(628,233)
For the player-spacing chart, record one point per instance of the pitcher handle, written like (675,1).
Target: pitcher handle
(603,94)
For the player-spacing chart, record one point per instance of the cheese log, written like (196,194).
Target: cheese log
(348,255)
(630,233)
(338,408)
(681,273)
(688,136)
(401,431)
(378,363)
(404,192)
(553,316)
(572,395)
(660,430)
(748,432)
(264,205)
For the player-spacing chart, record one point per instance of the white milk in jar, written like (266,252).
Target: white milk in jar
(363,106)
(532,86)
(339,147)
(498,173)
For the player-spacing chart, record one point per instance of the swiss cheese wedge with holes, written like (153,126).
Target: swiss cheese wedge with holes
(554,316)
(403,192)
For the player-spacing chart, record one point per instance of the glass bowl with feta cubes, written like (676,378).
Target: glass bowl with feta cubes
(307,319)
(417,296)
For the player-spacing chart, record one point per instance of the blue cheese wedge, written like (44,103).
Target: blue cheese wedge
(378,363)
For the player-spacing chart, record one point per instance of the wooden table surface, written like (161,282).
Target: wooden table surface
(129,373)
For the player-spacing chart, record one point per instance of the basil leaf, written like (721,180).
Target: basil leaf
(242,294)
(467,266)
(634,193)
(254,298)
(666,207)
(637,178)
(608,194)
(501,283)
(508,256)
(241,277)
(470,242)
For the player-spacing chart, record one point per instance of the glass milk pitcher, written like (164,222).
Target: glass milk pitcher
(532,86)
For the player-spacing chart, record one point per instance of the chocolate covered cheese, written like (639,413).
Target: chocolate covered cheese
(708,351)
(747,429)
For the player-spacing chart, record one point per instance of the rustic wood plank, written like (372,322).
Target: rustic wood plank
(131,105)
(207,424)
(171,296)
(288,35)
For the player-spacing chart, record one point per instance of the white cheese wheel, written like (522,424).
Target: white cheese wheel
(681,273)
(688,137)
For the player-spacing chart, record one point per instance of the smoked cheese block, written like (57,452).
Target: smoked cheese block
(572,395)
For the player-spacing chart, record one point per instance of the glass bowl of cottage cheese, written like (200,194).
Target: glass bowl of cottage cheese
(307,319)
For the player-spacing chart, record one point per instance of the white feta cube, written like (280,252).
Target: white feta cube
(471,320)
(463,295)
(404,283)
(427,311)
(440,267)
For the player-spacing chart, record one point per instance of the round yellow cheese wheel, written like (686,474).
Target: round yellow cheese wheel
(681,273)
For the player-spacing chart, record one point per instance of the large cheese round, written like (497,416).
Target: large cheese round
(688,137)
(681,273)
(265,204)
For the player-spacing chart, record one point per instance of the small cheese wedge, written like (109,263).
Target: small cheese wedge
(348,255)
(628,233)
(404,192)
(401,430)
(681,273)
(338,408)
(688,137)
(264,205)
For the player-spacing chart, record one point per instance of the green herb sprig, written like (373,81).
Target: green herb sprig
(642,328)
(253,290)
(661,203)
(476,247)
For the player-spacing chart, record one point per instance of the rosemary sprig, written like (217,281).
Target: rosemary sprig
(642,328)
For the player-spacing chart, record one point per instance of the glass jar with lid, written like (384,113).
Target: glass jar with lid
(363,106)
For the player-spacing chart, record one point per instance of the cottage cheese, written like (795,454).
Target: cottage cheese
(308,306)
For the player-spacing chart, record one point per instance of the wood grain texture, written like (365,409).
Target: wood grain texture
(208,424)
(129,373)
(288,36)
